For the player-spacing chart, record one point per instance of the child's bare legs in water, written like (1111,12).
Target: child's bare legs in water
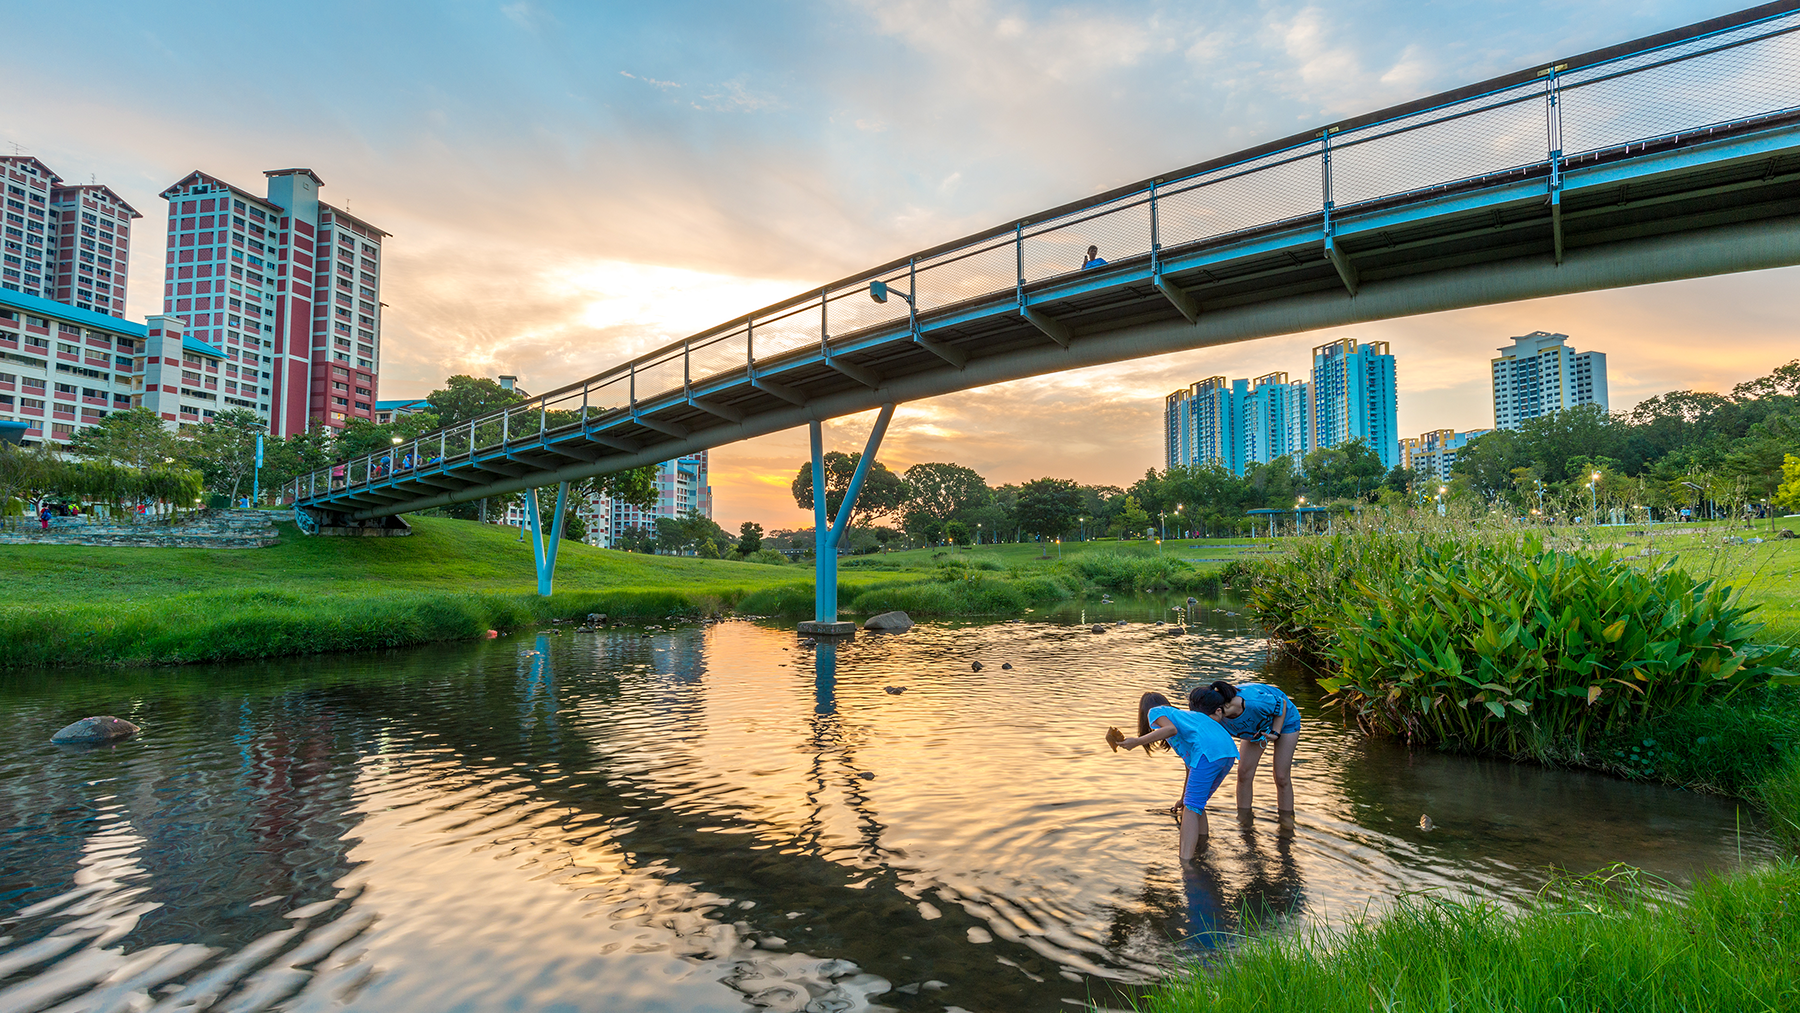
(1251,756)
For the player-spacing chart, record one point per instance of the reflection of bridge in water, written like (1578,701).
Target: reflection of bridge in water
(1675,156)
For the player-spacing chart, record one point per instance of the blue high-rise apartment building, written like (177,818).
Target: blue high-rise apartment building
(1353,397)
(1275,420)
(1200,424)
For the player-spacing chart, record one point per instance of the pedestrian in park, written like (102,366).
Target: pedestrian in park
(1200,739)
(44,516)
(337,476)
(1093,259)
(1257,714)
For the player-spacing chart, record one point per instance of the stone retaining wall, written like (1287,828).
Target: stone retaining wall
(217,529)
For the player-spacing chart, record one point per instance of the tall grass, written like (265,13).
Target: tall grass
(1132,571)
(1609,942)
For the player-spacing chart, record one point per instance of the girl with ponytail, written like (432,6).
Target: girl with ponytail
(1202,743)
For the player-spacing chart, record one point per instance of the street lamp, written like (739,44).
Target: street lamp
(977,532)
(1298,503)
(1593,497)
(1442,491)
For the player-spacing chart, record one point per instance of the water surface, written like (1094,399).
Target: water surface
(719,818)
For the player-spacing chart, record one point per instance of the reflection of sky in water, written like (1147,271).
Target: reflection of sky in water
(701,819)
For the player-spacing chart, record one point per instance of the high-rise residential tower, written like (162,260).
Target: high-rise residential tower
(681,486)
(287,286)
(1276,421)
(1353,397)
(1200,424)
(1539,374)
(64,241)
(1432,455)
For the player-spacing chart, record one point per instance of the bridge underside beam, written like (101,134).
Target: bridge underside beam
(1529,273)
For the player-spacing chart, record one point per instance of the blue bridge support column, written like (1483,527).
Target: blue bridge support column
(545,555)
(826,538)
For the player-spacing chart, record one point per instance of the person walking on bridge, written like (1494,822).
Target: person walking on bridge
(1093,259)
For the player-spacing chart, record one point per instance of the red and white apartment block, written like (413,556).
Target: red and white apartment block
(63,241)
(286,287)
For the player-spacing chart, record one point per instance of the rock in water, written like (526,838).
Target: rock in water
(893,622)
(1099,628)
(1426,824)
(1008,665)
(105,728)
(975,666)
(895,690)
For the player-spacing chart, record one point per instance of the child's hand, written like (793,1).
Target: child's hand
(1114,737)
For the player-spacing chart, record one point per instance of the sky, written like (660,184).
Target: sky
(570,184)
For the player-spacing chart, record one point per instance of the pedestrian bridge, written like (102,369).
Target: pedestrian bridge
(1674,156)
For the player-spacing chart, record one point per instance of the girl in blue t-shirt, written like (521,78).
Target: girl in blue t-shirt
(1201,742)
(1258,714)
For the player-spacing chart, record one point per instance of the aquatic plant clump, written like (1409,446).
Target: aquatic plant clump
(1492,646)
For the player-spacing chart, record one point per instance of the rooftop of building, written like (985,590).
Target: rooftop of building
(196,345)
(339,212)
(28,159)
(175,189)
(63,311)
(103,188)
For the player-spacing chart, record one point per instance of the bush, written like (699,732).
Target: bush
(967,597)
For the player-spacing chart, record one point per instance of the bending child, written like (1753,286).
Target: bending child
(1201,742)
(1259,713)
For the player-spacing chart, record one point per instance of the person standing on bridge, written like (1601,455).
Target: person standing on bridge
(1093,259)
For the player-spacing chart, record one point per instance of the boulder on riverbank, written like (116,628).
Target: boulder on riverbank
(889,622)
(103,728)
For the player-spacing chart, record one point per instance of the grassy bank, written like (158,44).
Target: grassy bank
(1601,944)
(451,580)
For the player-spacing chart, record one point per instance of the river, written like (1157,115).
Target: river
(717,817)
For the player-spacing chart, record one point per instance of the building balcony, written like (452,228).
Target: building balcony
(63,414)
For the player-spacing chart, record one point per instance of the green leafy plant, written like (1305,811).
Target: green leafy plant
(1485,646)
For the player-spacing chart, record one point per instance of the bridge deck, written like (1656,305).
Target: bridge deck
(1687,163)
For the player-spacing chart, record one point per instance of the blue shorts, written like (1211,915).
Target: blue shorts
(1292,725)
(1203,780)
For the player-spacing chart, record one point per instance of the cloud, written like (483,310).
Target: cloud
(653,82)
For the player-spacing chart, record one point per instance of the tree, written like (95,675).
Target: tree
(958,533)
(941,493)
(1131,519)
(465,397)
(223,448)
(636,539)
(882,492)
(1488,462)
(1788,495)
(636,487)
(1048,506)
(298,455)
(136,438)
(1400,479)
(749,537)
(689,533)
(1345,471)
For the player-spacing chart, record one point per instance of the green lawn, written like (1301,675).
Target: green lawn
(450,580)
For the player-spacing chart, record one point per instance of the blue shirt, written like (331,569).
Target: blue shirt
(1198,739)
(1090,265)
(1263,705)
